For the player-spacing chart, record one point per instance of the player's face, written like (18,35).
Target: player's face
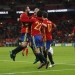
(28,9)
(35,11)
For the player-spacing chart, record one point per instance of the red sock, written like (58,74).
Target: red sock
(23,50)
(26,51)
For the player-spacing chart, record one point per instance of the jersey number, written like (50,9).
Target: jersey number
(38,26)
(49,27)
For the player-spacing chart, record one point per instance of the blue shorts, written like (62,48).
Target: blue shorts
(48,43)
(25,37)
(37,41)
(42,44)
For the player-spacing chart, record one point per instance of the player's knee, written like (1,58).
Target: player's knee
(24,44)
(37,50)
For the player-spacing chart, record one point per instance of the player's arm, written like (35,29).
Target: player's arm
(72,34)
(23,18)
(55,25)
(32,20)
(44,23)
(43,33)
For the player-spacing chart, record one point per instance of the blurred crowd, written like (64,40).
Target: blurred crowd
(43,4)
(10,28)
(9,32)
(65,24)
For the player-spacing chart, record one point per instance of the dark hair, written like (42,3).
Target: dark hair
(39,13)
(45,14)
(24,8)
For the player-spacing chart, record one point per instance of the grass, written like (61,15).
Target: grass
(64,58)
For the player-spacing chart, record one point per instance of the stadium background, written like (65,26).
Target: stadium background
(61,12)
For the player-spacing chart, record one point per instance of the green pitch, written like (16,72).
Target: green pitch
(64,58)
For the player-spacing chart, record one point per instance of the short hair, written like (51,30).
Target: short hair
(45,14)
(37,8)
(39,13)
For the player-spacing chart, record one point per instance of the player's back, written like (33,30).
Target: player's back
(36,27)
(48,29)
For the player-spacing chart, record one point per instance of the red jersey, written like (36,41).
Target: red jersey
(32,16)
(36,26)
(48,29)
(24,19)
(43,33)
(73,30)
(24,30)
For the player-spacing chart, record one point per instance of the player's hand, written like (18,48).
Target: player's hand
(44,24)
(69,35)
(26,24)
(17,19)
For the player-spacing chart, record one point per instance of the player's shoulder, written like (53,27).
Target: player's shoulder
(32,16)
(22,14)
(49,21)
(45,21)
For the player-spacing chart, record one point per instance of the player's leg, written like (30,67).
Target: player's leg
(36,58)
(48,42)
(51,50)
(33,50)
(24,37)
(42,59)
(37,45)
(23,51)
(43,50)
(17,50)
